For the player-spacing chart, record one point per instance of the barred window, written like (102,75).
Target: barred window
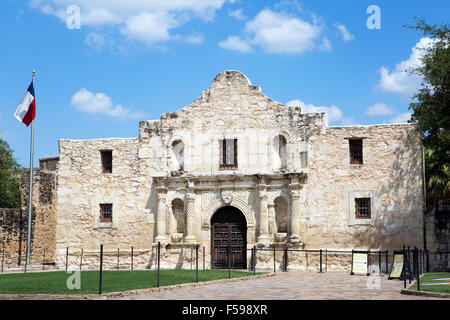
(106,156)
(362,208)
(228,153)
(106,212)
(356,151)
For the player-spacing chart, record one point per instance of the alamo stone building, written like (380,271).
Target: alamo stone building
(233,169)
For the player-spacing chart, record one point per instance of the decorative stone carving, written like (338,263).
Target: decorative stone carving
(161,222)
(177,237)
(227,196)
(263,216)
(280,236)
(190,207)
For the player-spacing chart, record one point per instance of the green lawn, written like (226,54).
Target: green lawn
(432,277)
(113,281)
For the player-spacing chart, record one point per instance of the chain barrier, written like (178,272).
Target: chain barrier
(124,258)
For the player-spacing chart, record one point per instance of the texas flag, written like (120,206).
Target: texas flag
(26,110)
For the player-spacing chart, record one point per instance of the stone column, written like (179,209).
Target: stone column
(272,219)
(263,217)
(295,216)
(161,220)
(190,210)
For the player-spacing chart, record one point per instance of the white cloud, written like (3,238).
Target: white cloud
(148,21)
(99,103)
(326,45)
(235,43)
(400,80)
(346,35)
(150,27)
(333,112)
(278,32)
(195,38)
(401,118)
(238,14)
(281,33)
(379,109)
(95,40)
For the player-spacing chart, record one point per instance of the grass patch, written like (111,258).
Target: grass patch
(433,277)
(112,281)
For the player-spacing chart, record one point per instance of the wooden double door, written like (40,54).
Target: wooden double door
(228,239)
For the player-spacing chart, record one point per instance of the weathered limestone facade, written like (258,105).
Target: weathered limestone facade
(293,183)
(14,222)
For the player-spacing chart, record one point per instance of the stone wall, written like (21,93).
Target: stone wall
(438,234)
(82,187)
(13,235)
(391,175)
(144,179)
(15,221)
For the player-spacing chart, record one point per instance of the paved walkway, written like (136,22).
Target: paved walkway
(292,286)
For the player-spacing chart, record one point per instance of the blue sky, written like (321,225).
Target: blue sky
(133,60)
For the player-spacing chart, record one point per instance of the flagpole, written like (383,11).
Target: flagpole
(30,193)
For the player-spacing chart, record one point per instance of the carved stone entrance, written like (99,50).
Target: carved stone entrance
(228,233)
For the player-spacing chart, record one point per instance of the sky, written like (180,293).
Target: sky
(104,65)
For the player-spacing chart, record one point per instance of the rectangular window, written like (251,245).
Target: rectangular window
(362,208)
(106,161)
(356,151)
(228,153)
(105,212)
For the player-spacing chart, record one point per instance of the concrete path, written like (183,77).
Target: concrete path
(292,286)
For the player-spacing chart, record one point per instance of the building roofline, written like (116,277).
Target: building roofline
(113,138)
(374,125)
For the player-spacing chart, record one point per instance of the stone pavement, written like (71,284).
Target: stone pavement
(292,286)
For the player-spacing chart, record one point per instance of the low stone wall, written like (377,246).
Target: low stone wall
(13,236)
(438,234)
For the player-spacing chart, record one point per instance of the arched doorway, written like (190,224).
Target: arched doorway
(228,234)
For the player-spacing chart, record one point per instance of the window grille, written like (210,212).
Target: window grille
(362,208)
(106,212)
(356,151)
(228,153)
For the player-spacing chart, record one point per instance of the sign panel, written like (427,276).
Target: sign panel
(360,262)
(397,266)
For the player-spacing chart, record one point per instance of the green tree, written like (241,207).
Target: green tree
(9,178)
(431,108)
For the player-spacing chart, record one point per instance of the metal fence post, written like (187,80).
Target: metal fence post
(196,263)
(131,258)
(427,261)
(67,257)
(101,270)
(285,259)
(228,259)
(43,259)
(320,261)
(118,258)
(159,261)
(274,260)
(379,261)
(326,260)
(3,257)
(416,268)
(420,261)
(409,265)
(254,260)
(387,261)
(81,258)
(204,258)
(404,267)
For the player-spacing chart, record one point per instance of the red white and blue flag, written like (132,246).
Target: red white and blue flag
(26,110)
